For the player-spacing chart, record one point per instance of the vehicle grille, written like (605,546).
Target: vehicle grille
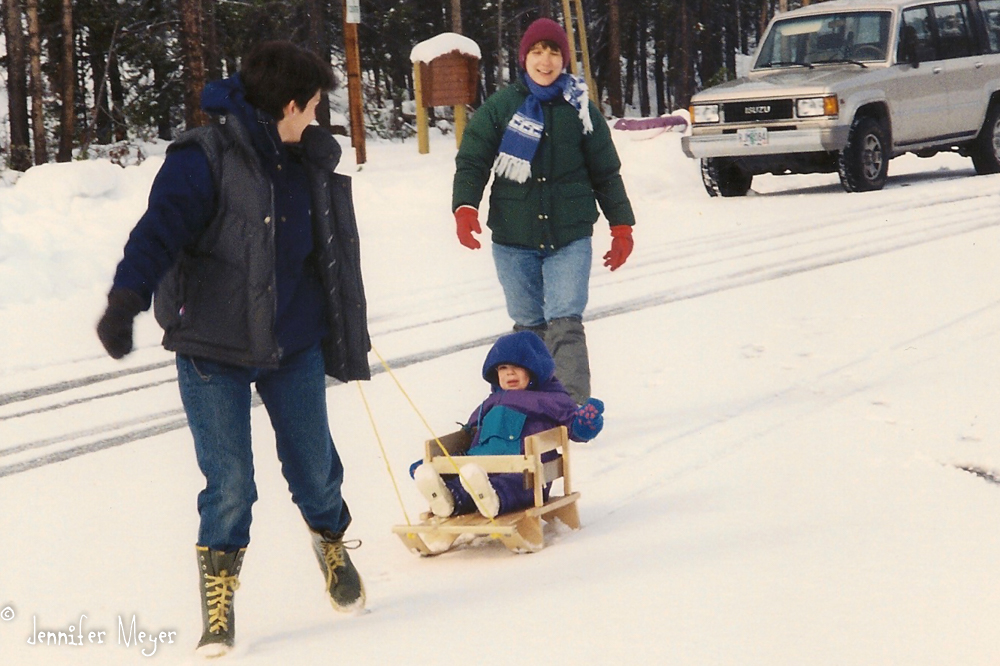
(748,111)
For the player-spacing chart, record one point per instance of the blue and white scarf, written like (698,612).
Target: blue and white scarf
(524,131)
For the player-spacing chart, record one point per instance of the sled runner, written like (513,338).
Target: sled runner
(520,531)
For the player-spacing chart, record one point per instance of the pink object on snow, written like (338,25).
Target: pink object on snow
(660,123)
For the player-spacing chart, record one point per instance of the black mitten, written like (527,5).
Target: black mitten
(115,327)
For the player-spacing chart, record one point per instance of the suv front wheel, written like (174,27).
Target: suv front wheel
(724,178)
(863,164)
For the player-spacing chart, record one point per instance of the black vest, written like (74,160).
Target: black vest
(219,299)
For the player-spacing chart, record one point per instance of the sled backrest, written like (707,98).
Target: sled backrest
(455,443)
(535,448)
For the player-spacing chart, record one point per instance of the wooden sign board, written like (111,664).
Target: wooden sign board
(449,80)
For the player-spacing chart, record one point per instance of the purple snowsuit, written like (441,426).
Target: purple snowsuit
(505,418)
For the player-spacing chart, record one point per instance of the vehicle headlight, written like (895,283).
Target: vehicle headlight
(705,113)
(812,107)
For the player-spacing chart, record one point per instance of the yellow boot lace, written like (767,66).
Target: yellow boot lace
(219,599)
(333,555)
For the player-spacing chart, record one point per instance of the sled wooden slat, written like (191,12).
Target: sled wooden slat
(520,531)
(495,464)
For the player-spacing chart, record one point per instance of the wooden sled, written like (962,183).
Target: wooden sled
(520,531)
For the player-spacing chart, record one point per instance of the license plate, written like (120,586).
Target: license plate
(752,136)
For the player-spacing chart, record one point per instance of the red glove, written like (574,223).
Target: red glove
(467,222)
(621,246)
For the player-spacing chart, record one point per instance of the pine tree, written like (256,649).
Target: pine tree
(17,87)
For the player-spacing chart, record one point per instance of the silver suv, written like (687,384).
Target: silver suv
(847,85)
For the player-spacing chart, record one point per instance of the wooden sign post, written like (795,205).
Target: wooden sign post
(352,16)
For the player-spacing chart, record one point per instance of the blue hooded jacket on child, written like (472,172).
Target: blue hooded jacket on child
(506,417)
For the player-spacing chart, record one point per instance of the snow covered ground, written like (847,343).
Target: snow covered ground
(792,380)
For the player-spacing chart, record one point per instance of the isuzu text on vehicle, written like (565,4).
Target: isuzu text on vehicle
(845,86)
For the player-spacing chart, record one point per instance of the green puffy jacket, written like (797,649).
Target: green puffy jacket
(571,173)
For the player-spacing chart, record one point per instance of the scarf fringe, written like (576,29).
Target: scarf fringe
(512,168)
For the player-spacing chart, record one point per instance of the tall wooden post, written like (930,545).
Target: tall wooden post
(423,137)
(579,33)
(352,16)
(460,117)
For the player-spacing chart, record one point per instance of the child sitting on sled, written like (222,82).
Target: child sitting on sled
(526,399)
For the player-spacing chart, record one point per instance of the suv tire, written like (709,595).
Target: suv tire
(863,164)
(725,178)
(985,151)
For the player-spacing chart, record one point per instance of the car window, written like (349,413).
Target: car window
(826,38)
(991,16)
(917,33)
(954,39)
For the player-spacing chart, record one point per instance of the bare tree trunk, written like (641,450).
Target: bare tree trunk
(213,60)
(643,37)
(499,43)
(117,97)
(732,30)
(456,16)
(615,61)
(686,63)
(630,55)
(193,58)
(320,45)
(658,53)
(100,48)
(37,84)
(17,88)
(67,81)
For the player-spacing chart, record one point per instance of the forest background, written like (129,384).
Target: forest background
(89,78)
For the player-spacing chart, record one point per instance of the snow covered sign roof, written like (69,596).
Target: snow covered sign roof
(446,42)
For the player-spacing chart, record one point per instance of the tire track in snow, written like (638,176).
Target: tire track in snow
(766,415)
(902,235)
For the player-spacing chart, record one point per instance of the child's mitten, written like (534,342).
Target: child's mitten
(588,421)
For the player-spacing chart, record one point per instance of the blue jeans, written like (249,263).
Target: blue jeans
(217,399)
(542,285)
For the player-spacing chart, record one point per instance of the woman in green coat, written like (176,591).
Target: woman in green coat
(553,162)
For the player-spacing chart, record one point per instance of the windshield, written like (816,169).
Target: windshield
(811,40)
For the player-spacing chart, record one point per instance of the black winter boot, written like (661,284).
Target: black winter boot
(568,345)
(343,582)
(537,330)
(218,573)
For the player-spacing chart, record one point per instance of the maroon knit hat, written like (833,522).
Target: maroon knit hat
(544,30)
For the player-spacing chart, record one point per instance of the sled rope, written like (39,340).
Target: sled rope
(433,435)
(385,458)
